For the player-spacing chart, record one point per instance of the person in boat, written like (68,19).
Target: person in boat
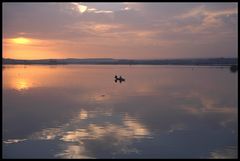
(120,79)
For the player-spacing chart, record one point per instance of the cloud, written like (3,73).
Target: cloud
(102,11)
(126,8)
(81,8)
(13,141)
(152,27)
(133,6)
(84,8)
(229,152)
(208,19)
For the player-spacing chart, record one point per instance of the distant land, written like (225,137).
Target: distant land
(110,61)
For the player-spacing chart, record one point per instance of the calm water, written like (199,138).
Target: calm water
(78,111)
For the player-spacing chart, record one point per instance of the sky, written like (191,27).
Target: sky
(119,30)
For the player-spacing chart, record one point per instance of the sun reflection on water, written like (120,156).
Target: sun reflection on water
(22,84)
(116,117)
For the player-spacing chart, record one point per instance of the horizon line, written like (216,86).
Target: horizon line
(127,58)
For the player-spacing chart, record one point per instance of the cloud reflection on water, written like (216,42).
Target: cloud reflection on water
(150,115)
(122,133)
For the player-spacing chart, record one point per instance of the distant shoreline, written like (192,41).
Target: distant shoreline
(109,61)
(187,65)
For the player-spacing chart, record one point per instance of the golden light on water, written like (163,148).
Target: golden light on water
(27,77)
(22,84)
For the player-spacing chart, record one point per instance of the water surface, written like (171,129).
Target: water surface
(79,111)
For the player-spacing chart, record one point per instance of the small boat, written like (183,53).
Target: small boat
(120,79)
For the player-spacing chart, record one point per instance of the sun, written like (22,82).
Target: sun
(21,40)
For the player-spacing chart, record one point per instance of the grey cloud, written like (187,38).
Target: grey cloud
(40,19)
(161,20)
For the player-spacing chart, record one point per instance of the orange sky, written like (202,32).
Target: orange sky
(119,30)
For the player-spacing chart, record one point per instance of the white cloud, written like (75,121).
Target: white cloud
(126,8)
(103,11)
(84,8)
(11,141)
(81,8)
(91,9)
(94,10)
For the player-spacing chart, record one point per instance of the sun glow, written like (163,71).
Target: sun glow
(21,40)
(32,48)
